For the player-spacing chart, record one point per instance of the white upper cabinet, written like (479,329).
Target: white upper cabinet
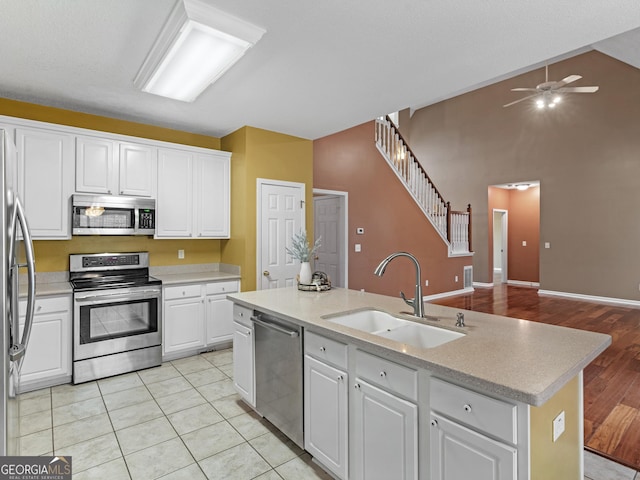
(110,167)
(193,194)
(45,180)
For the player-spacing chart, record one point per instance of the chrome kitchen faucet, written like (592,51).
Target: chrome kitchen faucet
(417,302)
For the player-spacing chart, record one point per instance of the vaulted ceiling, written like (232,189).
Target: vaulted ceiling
(321,67)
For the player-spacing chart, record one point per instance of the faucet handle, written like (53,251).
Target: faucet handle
(408,302)
(460,319)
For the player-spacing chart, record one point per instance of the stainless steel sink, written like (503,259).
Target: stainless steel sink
(388,326)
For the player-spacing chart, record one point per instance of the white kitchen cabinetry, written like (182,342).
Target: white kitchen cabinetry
(183,319)
(193,194)
(386,425)
(48,358)
(109,167)
(219,312)
(197,316)
(45,180)
(326,432)
(472,435)
(244,354)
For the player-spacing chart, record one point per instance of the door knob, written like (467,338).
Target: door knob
(266,273)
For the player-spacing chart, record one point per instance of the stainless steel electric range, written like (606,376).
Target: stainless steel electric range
(116,314)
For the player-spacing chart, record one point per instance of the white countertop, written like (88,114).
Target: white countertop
(518,359)
(195,277)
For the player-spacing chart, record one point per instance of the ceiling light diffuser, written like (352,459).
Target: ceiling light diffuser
(196,46)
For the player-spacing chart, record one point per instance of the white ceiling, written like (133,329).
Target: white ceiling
(322,66)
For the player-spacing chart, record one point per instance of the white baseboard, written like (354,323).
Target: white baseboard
(483,285)
(428,298)
(520,283)
(591,298)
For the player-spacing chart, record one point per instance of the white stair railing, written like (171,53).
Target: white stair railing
(453,227)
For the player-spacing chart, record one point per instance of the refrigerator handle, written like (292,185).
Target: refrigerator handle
(17,351)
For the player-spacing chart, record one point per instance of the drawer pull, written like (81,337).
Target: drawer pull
(383,374)
(434,423)
(323,349)
(467,408)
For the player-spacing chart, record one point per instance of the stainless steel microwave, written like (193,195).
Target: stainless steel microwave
(113,215)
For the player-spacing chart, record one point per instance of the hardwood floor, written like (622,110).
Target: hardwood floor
(611,382)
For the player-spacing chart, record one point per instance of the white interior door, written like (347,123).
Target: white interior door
(500,244)
(281,214)
(329,223)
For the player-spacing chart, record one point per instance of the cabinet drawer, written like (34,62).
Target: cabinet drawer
(325,349)
(392,376)
(183,291)
(242,315)
(489,415)
(47,305)
(222,287)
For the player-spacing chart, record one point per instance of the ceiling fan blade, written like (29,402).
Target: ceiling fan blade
(524,89)
(592,89)
(569,79)
(520,100)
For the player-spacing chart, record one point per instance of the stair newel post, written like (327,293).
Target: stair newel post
(469,233)
(449,221)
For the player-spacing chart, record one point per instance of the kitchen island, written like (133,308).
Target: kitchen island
(531,371)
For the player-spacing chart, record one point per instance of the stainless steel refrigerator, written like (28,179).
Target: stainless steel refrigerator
(16,244)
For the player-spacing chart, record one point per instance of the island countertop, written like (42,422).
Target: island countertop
(518,359)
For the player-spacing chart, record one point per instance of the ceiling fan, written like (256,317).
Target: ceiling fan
(549,92)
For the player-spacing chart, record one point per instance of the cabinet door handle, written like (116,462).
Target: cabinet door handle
(434,423)
(467,408)
(383,374)
(322,349)
(357,386)
(340,378)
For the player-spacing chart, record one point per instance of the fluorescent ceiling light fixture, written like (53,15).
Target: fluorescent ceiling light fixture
(196,46)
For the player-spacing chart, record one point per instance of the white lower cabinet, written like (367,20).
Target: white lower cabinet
(326,433)
(243,354)
(196,317)
(458,452)
(48,358)
(472,435)
(386,435)
(183,319)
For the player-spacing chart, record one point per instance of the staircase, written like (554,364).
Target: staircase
(454,227)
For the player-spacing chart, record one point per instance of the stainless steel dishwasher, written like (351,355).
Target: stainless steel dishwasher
(278,374)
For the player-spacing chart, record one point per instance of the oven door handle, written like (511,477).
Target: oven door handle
(119,296)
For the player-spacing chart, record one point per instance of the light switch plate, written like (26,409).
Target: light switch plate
(524,243)
(358,247)
(558,426)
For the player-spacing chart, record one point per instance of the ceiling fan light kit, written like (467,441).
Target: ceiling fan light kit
(548,94)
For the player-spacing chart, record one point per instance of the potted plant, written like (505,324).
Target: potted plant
(300,250)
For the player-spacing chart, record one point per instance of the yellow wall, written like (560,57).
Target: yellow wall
(261,154)
(54,255)
(559,460)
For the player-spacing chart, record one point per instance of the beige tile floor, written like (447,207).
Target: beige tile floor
(182,420)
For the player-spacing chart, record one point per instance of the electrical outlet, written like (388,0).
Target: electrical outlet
(358,247)
(180,254)
(547,245)
(426,283)
(456,278)
(558,426)
(524,243)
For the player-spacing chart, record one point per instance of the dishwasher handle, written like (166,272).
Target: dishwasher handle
(276,327)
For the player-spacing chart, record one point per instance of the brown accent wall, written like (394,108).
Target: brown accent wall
(585,154)
(349,161)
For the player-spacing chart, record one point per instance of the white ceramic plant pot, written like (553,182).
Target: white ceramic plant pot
(305,273)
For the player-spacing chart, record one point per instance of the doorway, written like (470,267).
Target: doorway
(330,209)
(280,214)
(500,246)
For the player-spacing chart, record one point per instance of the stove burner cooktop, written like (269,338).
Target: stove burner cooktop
(110,270)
